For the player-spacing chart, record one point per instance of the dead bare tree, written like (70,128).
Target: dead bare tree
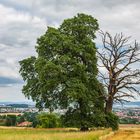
(119,59)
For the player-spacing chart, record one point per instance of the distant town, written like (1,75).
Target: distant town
(128,113)
(16,108)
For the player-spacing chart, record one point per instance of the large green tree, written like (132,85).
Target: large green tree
(64,74)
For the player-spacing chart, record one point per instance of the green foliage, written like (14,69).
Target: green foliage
(28,116)
(2,122)
(10,120)
(112,121)
(3,116)
(64,74)
(47,120)
(129,121)
(73,118)
(130,113)
(20,119)
(31,117)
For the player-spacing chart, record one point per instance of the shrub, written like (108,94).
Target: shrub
(20,119)
(2,122)
(10,120)
(31,117)
(72,118)
(48,120)
(112,121)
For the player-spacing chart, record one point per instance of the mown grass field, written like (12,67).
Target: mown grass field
(48,134)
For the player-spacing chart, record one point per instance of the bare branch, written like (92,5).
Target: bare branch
(118,56)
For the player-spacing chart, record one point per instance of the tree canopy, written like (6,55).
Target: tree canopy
(64,74)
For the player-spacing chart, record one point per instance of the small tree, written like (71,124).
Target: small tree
(112,121)
(20,119)
(64,74)
(10,120)
(118,58)
(47,120)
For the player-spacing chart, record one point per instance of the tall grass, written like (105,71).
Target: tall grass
(43,134)
(127,132)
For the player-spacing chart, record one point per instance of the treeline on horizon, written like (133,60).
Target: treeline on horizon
(47,120)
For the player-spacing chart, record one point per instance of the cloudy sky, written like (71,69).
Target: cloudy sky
(23,21)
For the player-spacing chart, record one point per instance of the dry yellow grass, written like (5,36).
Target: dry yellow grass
(127,132)
(48,134)
(5,114)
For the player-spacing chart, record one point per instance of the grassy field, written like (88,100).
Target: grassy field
(126,132)
(45,134)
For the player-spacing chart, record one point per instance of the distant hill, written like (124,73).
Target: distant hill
(133,103)
(128,104)
(18,105)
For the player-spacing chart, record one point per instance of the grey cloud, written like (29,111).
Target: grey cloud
(23,21)
(12,93)
(23,5)
(7,80)
(17,33)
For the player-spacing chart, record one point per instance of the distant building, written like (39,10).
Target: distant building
(25,124)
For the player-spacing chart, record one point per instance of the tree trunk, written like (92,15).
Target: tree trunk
(109,105)
(83,116)
(84,128)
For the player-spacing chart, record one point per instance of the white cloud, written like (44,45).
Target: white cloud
(12,93)
(18,33)
(23,21)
